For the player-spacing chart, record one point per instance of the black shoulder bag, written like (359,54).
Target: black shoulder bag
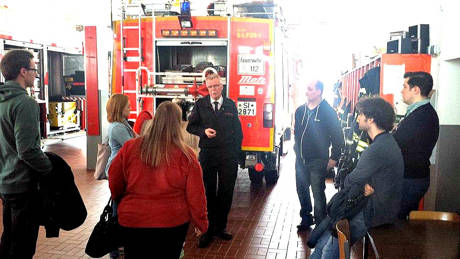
(106,236)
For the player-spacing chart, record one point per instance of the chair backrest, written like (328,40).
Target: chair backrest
(434,215)
(343,234)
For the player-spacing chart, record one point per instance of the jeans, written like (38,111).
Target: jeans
(413,191)
(312,173)
(20,225)
(328,245)
(358,228)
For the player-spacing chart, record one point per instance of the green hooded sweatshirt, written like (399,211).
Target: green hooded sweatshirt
(21,159)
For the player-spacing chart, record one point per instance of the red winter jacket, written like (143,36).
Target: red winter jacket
(157,197)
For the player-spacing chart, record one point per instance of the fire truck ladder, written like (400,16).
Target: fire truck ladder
(137,14)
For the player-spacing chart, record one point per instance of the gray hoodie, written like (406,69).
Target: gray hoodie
(21,159)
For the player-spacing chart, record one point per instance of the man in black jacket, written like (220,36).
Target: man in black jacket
(416,135)
(316,128)
(215,120)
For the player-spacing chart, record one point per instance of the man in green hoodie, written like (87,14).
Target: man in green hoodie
(21,159)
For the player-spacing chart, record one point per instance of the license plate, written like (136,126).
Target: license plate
(247,108)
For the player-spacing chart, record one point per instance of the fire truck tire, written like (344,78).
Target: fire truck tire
(283,151)
(254,176)
(271,176)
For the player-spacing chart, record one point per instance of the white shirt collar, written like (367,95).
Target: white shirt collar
(220,100)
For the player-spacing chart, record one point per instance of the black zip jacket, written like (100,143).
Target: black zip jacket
(314,134)
(225,122)
(417,135)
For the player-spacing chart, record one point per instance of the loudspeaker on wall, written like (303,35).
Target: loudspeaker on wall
(420,38)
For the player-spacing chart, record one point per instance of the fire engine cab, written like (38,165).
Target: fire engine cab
(158,58)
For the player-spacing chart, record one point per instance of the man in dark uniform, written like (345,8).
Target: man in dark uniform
(215,120)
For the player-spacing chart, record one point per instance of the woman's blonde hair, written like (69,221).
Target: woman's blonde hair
(115,106)
(164,133)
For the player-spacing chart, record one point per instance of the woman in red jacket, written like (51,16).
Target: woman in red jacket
(158,183)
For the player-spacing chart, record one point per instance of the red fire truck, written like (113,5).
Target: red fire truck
(159,58)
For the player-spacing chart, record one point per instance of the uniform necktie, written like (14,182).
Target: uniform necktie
(216,106)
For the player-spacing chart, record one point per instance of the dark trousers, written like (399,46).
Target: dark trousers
(219,177)
(20,225)
(144,243)
(311,173)
(413,191)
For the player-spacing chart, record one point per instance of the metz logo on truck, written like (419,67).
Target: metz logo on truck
(250,80)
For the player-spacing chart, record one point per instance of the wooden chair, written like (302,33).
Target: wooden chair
(343,234)
(434,215)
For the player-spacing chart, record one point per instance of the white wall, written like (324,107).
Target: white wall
(450,26)
(329,31)
(51,21)
(448,105)
(448,77)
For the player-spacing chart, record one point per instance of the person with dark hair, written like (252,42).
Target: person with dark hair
(316,129)
(22,161)
(379,173)
(379,110)
(215,120)
(416,134)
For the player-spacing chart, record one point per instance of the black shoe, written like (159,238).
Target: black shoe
(223,235)
(204,240)
(302,228)
(305,224)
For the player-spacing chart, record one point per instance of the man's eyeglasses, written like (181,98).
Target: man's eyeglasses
(32,69)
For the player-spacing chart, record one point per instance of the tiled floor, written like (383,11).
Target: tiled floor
(263,220)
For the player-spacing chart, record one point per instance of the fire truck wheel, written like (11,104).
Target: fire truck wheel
(271,176)
(254,176)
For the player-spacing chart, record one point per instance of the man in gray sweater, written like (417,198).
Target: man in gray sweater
(379,173)
(21,159)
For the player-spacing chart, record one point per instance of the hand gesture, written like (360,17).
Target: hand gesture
(331,164)
(368,190)
(197,232)
(211,133)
